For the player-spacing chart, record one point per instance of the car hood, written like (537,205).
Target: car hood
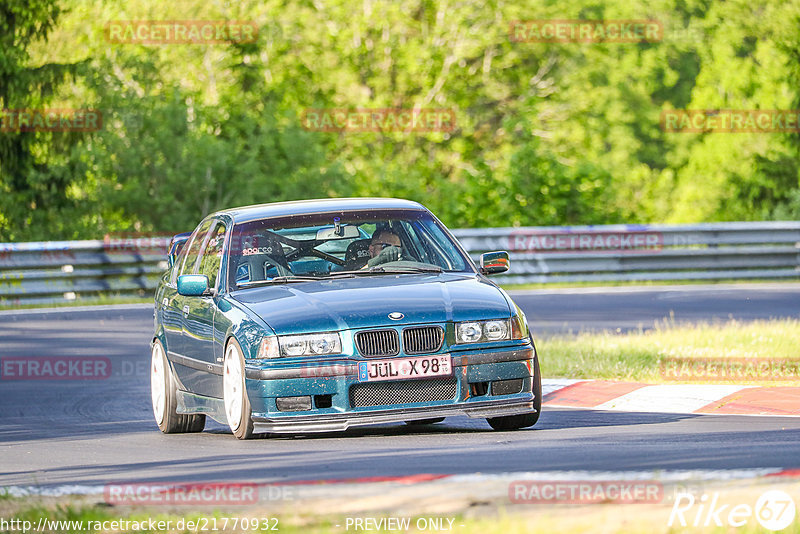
(364,302)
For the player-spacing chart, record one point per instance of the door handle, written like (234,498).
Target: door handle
(186,311)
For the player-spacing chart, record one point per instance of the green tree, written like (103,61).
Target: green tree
(38,170)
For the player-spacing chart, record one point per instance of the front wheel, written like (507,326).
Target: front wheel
(237,404)
(163,394)
(515,422)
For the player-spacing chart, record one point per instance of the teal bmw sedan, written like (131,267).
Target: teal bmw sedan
(321,315)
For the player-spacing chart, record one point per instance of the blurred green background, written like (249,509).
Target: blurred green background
(547,133)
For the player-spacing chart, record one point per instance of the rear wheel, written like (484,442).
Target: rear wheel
(421,422)
(237,404)
(163,394)
(515,422)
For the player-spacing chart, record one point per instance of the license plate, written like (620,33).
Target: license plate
(405,368)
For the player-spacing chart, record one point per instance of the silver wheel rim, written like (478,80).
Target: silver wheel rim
(233,386)
(158,383)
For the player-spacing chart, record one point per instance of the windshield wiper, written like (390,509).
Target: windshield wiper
(280,280)
(347,274)
(379,269)
(405,269)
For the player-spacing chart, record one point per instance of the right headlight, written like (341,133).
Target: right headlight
(494,330)
(301,345)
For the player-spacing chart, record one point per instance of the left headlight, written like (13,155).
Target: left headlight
(302,345)
(484,331)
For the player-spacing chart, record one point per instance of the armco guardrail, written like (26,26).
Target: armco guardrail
(739,250)
(62,271)
(46,272)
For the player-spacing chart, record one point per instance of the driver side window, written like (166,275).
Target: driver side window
(193,248)
(211,259)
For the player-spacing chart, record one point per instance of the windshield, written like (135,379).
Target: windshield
(341,244)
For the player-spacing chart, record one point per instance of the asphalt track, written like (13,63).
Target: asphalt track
(92,432)
(628,308)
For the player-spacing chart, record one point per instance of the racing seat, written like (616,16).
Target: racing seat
(270,251)
(356,255)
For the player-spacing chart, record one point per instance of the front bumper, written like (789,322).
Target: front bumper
(334,378)
(342,421)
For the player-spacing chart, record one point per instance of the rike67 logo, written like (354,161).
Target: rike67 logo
(774,510)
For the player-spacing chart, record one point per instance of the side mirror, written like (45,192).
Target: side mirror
(192,285)
(494,262)
(175,247)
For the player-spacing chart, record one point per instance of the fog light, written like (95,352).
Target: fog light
(293,404)
(507,387)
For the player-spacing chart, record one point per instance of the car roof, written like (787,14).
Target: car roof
(303,207)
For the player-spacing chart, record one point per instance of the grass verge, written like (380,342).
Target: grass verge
(477,511)
(744,352)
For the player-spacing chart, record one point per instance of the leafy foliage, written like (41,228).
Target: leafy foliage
(546,133)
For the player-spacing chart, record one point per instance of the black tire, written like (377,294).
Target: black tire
(163,383)
(515,422)
(237,403)
(421,422)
